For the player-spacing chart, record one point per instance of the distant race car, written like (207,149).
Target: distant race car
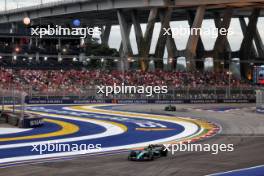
(170,108)
(148,154)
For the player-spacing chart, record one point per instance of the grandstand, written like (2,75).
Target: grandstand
(79,82)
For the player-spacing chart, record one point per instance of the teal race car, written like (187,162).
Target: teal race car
(148,154)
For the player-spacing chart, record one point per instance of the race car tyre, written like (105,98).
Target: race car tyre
(164,153)
(151,158)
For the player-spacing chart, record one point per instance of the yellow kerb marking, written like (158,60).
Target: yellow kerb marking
(67,128)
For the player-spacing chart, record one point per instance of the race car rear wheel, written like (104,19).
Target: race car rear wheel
(164,153)
(151,158)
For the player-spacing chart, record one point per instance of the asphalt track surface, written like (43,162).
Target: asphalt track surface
(240,126)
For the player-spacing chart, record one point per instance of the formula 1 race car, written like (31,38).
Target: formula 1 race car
(149,153)
(170,108)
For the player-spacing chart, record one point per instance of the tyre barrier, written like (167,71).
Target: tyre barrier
(10,118)
(32,121)
(29,120)
(260,110)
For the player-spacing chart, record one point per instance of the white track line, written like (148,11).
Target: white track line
(190,129)
(237,170)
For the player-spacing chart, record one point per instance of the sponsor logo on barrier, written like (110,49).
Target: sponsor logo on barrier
(131,101)
(38,122)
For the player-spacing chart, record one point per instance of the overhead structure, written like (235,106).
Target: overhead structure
(127,13)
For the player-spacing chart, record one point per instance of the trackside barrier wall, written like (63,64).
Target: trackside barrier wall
(134,101)
(260,101)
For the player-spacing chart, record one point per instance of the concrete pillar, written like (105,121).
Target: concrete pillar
(59,44)
(243,24)
(13,29)
(222,45)
(127,50)
(144,42)
(152,65)
(30,42)
(89,37)
(121,48)
(106,34)
(37,42)
(123,64)
(138,30)
(259,44)
(172,50)
(247,43)
(144,50)
(171,64)
(37,57)
(171,47)
(165,17)
(193,40)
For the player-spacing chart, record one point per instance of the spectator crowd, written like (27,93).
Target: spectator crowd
(75,81)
